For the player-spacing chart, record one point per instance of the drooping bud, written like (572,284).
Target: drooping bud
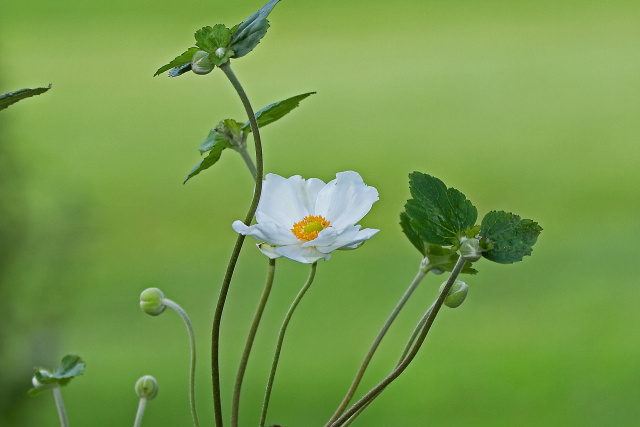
(147,387)
(151,301)
(456,295)
(470,249)
(201,63)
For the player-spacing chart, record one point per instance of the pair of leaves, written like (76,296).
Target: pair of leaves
(10,98)
(70,367)
(232,134)
(237,41)
(437,215)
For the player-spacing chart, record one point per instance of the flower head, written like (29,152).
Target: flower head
(305,220)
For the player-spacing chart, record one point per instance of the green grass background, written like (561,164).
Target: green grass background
(530,107)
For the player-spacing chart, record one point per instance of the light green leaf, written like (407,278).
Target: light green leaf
(10,98)
(276,111)
(178,62)
(227,131)
(210,160)
(70,367)
(439,215)
(247,35)
(508,237)
(212,38)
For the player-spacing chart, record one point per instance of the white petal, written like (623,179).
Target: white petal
(345,200)
(308,192)
(269,232)
(351,237)
(303,255)
(268,250)
(280,201)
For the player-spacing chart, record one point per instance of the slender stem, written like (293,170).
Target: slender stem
(430,316)
(224,289)
(249,161)
(57,396)
(414,334)
(141,406)
(356,381)
(192,343)
(283,329)
(235,407)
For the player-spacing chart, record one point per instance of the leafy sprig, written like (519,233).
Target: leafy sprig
(70,367)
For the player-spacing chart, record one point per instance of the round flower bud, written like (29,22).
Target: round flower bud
(470,249)
(147,387)
(220,52)
(201,63)
(38,385)
(457,293)
(151,301)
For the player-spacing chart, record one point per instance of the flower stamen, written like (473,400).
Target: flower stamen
(309,227)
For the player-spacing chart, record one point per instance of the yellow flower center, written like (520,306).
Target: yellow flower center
(309,227)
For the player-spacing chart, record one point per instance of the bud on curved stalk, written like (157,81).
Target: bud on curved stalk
(147,387)
(456,295)
(151,301)
(201,63)
(470,249)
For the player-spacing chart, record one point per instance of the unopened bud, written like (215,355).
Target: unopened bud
(456,295)
(37,384)
(201,63)
(220,52)
(151,301)
(147,387)
(470,249)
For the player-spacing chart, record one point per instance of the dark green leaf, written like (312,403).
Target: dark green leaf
(70,367)
(178,71)
(10,98)
(276,111)
(212,38)
(439,215)
(414,238)
(178,62)
(509,238)
(247,35)
(210,160)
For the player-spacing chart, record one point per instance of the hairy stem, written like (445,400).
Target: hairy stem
(235,406)
(62,413)
(283,330)
(224,289)
(141,406)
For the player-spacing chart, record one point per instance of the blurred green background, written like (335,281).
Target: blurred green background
(530,107)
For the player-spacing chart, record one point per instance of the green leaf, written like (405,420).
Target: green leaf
(227,131)
(210,160)
(70,367)
(212,38)
(247,35)
(446,258)
(10,98)
(508,237)
(414,238)
(439,215)
(276,111)
(178,62)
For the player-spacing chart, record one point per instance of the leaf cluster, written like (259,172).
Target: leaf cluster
(437,217)
(70,367)
(222,43)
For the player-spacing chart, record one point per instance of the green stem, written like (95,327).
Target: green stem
(248,161)
(365,363)
(141,406)
(224,289)
(57,396)
(414,334)
(430,317)
(192,344)
(283,329)
(235,407)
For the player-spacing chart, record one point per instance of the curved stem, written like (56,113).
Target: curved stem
(62,413)
(248,161)
(141,406)
(235,406)
(365,363)
(430,317)
(283,329)
(192,343)
(414,334)
(224,289)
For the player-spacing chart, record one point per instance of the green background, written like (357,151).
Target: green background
(530,107)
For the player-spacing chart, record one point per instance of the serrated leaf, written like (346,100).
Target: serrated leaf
(509,237)
(226,131)
(210,160)
(439,215)
(10,98)
(248,34)
(178,62)
(211,38)
(276,111)
(70,367)
(414,238)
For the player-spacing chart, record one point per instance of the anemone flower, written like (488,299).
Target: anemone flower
(305,220)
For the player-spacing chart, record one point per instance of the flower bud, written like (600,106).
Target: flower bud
(220,52)
(201,63)
(470,249)
(147,387)
(151,301)
(37,384)
(456,295)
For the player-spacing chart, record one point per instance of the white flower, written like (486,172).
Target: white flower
(306,220)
